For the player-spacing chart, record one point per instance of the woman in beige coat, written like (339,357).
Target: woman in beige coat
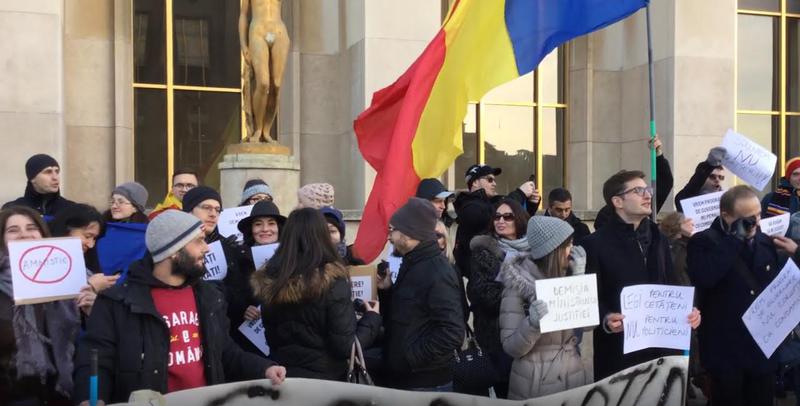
(543,363)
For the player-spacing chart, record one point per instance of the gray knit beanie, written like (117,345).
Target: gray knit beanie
(416,219)
(169,232)
(546,233)
(134,192)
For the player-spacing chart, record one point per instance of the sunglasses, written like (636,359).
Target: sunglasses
(508,217)
(490,179)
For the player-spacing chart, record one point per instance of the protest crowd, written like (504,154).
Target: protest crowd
(168,299)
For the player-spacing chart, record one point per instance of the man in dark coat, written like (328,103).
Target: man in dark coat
(43,190)
(475,209)
(786,197)
(707,178)
(730,264)
(422,312)
(628,251)
(164,329)
(559,204)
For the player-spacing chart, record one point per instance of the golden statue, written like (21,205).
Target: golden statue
(264,41)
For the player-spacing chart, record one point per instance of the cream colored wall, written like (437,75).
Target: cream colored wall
(694,93)
(31,90)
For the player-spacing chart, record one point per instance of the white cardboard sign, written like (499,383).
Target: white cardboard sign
(254,331)
(776,311)
(656,316)
(263,253)
(702,210)
(394,262)
(571,302)
(229,221)
(749,161)
(216,263)
(776,226)
(46,270)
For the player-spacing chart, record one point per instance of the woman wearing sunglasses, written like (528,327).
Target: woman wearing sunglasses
(504,242)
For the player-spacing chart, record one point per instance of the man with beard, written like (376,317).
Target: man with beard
(165,328)
(707,178)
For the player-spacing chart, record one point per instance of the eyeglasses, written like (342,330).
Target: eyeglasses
(639,190)
(490,179)
(508,217)
(256,199)
(716,177)
(118,202)
(185,186)
(210,209)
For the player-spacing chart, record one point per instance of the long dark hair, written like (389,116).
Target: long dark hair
(521,217)
(79,216)
(550,265)
(305,248)
(22,211)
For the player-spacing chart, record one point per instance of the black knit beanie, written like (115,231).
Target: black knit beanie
(198,195)
(416,219)
(38,163)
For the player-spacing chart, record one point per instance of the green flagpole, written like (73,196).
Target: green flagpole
(653,180)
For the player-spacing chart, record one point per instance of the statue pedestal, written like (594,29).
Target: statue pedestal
(270,162)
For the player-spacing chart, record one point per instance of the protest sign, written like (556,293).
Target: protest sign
(364,282)
(702,210)
(262,253)
(776,226)
(254,331)
(394,262)
(571,302)
(46,270)
(229,221)
(776,311)
(656,316)
(749,161)
(216,263)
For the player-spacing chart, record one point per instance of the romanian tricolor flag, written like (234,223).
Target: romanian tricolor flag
(412,130)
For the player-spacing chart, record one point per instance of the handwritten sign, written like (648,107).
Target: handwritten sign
(776,311)
(746,159)
(254,331)
(776,226)
(229,221)
(216,263)
(46,270)
(263,253)
(571,302)
(394,262)
(702,210)
(656,316)
(364,282)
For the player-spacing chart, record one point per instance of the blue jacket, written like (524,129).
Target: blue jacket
(724,296)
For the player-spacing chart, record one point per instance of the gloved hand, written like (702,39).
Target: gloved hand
(577,260)
(716,155)
(536,311)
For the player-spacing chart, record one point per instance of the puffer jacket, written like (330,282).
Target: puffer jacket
(543,363)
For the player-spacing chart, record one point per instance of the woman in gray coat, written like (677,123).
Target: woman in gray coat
(543,363)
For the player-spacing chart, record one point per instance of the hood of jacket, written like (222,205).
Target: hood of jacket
(299,288)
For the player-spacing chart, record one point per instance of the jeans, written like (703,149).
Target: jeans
(448,387)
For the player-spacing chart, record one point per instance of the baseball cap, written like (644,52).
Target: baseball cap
(479,171)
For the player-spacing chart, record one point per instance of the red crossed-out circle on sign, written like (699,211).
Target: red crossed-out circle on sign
(56,272)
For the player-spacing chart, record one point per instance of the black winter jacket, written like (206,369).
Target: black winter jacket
(238,291)
(475,211)
(581,229)
(725,342)
(310,325)
(48,205)
(423,320)
(133,341)
(615,254)
(485,293)
(695,184)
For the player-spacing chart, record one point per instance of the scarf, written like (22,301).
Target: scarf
(513,248)
(43,354)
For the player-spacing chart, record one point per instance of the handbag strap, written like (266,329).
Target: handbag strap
(356,356)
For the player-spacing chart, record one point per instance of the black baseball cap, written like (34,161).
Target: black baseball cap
(430,189)
(478,171)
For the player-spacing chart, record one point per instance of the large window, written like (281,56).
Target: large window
(520,127)
(187,93)
(768,75)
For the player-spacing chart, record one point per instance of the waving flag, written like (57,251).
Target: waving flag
(412,130)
